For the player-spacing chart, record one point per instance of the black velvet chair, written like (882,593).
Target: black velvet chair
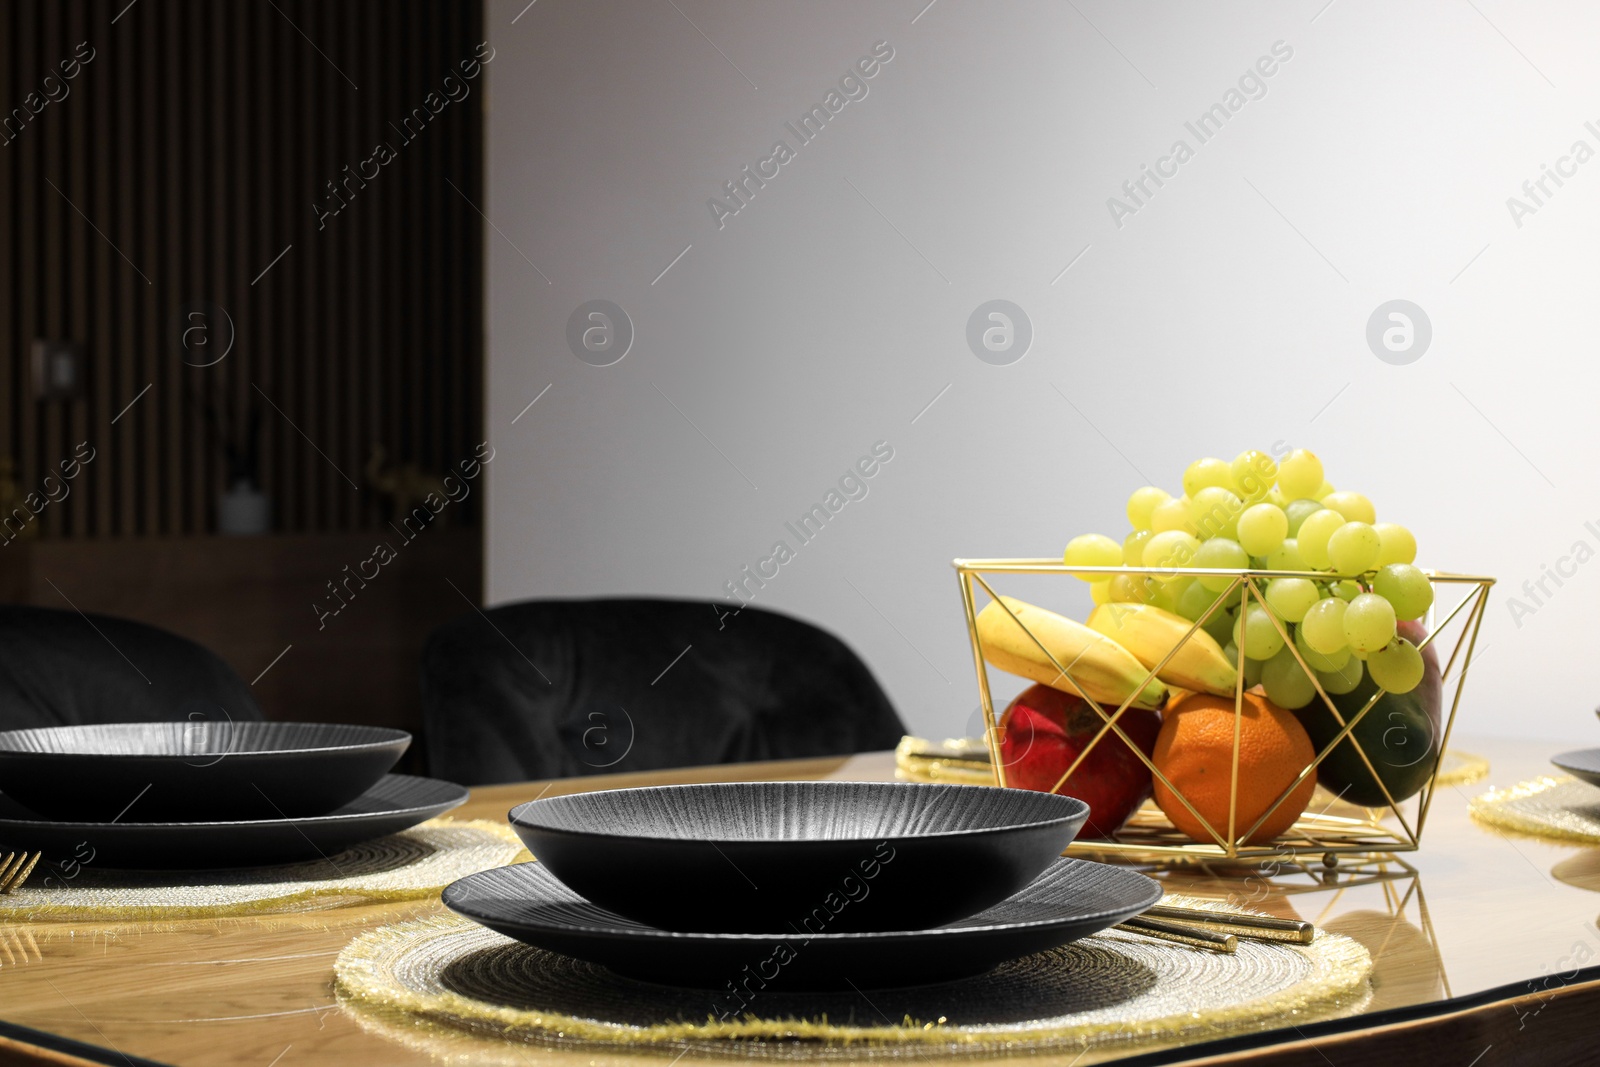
(557,688)
(60,668)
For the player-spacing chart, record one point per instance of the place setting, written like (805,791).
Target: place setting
(891,913)
(197,817)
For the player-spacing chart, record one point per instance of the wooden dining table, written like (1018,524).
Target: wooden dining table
(1484,948)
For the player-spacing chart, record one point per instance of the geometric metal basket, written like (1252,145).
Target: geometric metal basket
(1327,828)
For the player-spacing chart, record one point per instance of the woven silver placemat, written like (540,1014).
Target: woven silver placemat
(429,981)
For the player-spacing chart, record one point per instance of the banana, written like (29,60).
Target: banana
(1150,633)
(1100,669)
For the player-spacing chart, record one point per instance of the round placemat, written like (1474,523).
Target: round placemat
(415,863)
(449,976)
(1558,807)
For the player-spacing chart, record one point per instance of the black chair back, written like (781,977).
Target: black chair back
(558,688)
(62,668)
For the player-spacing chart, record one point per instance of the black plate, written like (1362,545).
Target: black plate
(1071,899)
(1584,764)
(760,856)
(398,802)
(196,770)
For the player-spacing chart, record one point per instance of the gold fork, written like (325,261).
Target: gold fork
(15,868)
(1216,931)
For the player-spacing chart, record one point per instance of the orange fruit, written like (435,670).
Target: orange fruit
(1195,751)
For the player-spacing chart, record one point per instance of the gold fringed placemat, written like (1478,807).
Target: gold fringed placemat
(409,865)
(1461,768)
(439,978)
(1562,807)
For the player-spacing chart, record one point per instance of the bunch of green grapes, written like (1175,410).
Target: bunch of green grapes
(1351,578)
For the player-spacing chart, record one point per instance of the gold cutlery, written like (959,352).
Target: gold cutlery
(1216,931)
(15,868)
(1180,934)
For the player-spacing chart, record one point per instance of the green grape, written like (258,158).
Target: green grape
(1141,502)
(1286,682)
(1194,600)
(1100,591)
(1172,514)
(1276,498)
(1219,553)
(1406,589)
(1352,506)
(1291,598)
(1353,548)
(1396,666)
(1171,548)
(1368,623)
(1298,511)
(1325,489)
(1262,528)
(1299,474)
(1219,626)
(1253,475)
(1202,473)
(1395,544)
(1261,638)
(1318,661)
(1324,626)
(1287,557)
(1345,590)
(1133,548)
(1313,537)
(1252,667)
(1343,679)
(1092,550)
(1215,511)
(1362,656)
(1131,589)
(1161,595)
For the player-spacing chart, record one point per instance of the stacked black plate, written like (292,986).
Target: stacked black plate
(809,885)
(208,794)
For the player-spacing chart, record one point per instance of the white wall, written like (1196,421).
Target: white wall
(1229,312)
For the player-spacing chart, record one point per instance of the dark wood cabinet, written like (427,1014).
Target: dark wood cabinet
(255,599)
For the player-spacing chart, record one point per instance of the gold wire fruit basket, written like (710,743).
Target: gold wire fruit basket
(1333,830)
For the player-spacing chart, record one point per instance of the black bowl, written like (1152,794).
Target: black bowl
(1583,764)
(758,857)
(194,771)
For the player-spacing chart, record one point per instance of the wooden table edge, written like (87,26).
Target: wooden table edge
(1437,1032)
(24,1045)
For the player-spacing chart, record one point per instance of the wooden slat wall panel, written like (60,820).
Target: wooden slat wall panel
(52,238)
(120,454)
(105,333)
(188,154)
(9,201)
(29,260)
